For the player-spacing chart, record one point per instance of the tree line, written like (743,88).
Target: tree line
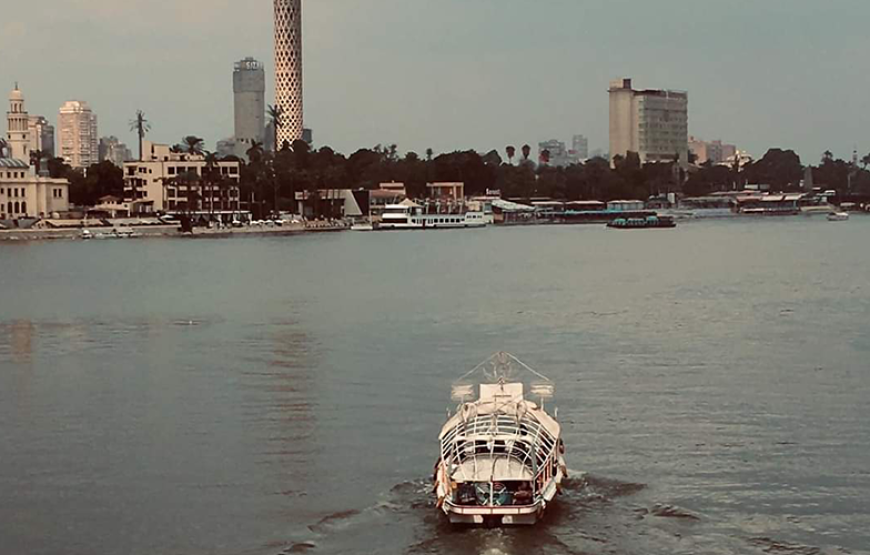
(269,180)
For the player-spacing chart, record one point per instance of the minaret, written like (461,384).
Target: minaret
(18,135)
(288,69)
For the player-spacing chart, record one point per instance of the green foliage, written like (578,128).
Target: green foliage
(272,180)
(781,169)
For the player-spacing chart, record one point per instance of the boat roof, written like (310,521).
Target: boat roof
(492,468)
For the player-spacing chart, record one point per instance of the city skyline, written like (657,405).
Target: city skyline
(465,77)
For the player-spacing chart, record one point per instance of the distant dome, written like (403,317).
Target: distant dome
(16,94)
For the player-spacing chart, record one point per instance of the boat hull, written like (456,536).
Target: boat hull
(494,516)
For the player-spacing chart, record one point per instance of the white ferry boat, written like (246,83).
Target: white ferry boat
(502,456)
(400,216)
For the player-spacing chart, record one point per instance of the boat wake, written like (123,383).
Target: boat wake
(406,519)
(594,515)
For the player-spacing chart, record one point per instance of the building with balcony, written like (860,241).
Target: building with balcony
(176,182)
(79,141)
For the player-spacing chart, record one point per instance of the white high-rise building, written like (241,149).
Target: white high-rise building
(79,141)
(288,69)
(652,123)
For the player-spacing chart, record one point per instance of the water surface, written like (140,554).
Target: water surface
(267,395)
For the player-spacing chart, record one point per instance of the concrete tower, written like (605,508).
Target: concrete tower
(288,69)
(249,90)
(18,135)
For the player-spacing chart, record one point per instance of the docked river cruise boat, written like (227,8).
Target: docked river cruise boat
(502,457)
(400,216)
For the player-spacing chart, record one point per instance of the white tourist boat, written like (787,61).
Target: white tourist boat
(412,216)
(502,456)
(362,226)
(838,216)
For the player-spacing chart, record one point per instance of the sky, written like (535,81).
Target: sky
(458,74)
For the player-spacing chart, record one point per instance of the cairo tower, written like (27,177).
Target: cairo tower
(288,69)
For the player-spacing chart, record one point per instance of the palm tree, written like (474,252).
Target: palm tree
(527,151)
(255,153)
(511,152)
(192,145)
(545,156)
(3,146)
(827,156)
(141,126)
(865,161)
(276,118)
(210,174)
(429,154)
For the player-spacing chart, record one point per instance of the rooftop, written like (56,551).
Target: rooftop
(14,163)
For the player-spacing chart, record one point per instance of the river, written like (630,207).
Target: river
(270,395)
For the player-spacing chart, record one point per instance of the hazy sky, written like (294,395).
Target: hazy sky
(455,74)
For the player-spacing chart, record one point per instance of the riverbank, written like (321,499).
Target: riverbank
(101,233)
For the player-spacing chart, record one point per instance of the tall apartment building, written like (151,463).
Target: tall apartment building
(114,151)
(41,136)
(79,141)
(652,123)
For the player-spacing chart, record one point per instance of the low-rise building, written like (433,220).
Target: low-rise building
(24,192)
(446,191)
(179,182)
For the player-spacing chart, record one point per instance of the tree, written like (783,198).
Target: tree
(102,179)
(276,119)
(511,151)
(3,146)
(210,177)
(545,156)
(58,168)
(865,161)
(781,169)
(192,145)
(527,151)
(141,126)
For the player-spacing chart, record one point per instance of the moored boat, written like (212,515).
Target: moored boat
(838,216)
(405,217)
(650,222)
(502,456)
